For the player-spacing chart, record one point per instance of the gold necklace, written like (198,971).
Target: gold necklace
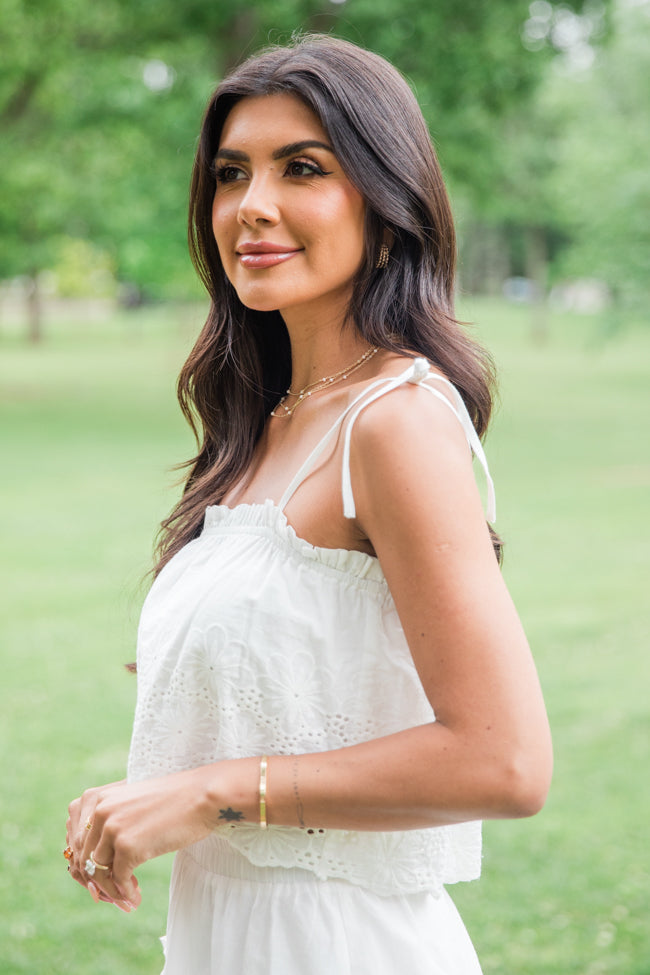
(320,384)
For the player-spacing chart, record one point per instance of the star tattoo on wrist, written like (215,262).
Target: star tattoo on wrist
(230,815)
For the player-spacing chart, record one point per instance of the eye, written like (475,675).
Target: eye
(304,167)
(229,174)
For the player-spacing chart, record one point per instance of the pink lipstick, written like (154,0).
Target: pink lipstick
(264,254)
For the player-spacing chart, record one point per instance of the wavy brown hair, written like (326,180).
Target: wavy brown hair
(241,362)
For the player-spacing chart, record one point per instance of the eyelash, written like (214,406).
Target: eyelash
(221,173)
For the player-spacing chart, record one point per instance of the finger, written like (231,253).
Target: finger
(82,843)
(96,870)
(82,879)
(110,863)
(128,892)
(96,856)
(88,839)
(86,834)
(73,814)
(78,810)
(110,894)
(98,895)
(126,895)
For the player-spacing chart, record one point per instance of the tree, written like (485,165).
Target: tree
(602,176)
(100,105)
(98,135)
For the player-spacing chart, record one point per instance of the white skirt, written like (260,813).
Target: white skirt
(229,917)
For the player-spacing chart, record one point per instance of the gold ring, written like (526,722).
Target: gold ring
(68,854)
(95,865)
(89,825)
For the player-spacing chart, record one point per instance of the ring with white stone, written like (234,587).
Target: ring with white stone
(91,865)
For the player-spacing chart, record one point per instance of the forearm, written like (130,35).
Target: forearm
(425,776)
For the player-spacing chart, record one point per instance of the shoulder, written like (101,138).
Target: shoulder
(412,417)
(411,463)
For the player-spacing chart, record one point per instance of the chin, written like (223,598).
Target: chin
(259,305)
(259,298)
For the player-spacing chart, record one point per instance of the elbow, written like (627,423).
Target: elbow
(523,786)
(526,798)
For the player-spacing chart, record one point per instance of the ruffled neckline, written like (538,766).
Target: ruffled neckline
(269,519)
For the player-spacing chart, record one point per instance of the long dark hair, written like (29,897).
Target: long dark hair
(241,362)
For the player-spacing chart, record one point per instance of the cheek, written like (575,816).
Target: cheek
(351,222)
(222,227)
(348,234)
(224,212)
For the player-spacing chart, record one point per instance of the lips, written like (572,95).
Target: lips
(264,254)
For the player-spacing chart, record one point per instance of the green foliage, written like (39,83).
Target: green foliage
(468,67)
(601,180)
(100,106)
(83,270)
(91,149)
(89,430)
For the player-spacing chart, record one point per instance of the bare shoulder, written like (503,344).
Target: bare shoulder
(408,420)
(411,469)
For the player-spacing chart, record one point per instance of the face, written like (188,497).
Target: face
(287,221)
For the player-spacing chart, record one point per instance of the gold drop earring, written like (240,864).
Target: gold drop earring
(382,260)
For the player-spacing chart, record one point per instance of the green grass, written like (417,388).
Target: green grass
(89,430)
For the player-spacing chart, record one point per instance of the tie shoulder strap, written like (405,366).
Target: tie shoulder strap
(421,374)
(306,467)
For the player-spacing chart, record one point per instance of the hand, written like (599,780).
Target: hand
(76,829)
(124,824)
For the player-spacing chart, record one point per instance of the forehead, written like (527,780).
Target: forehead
(273,119)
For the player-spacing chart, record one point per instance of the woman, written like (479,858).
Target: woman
(334,687)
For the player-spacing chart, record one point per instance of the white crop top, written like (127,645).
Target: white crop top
(253,641)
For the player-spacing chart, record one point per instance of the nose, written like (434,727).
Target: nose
(258,204)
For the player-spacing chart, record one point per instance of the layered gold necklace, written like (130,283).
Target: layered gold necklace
(282,411)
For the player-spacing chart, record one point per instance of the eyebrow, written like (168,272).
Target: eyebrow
(235,155)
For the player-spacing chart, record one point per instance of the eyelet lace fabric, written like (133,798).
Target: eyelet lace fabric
(252,641)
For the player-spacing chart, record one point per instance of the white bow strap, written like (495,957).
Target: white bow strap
(387,385)
(418,371)
(300,474)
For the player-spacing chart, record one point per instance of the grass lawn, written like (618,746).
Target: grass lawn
(89,429)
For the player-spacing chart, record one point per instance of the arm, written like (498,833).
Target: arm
(488,753)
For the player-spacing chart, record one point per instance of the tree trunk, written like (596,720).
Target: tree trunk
(236,38)
(485,263)
(34,309)
(537,272)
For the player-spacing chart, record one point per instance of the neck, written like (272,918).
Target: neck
(321,347)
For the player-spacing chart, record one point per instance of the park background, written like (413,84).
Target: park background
(540,114)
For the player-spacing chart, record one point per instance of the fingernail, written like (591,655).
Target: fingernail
(94,893)
(124,906)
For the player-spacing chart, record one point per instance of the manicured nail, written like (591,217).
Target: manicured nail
(125,906)
(94,893)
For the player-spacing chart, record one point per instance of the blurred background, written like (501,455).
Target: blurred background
(540,114)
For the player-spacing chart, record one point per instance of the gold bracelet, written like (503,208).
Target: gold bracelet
(264,762)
